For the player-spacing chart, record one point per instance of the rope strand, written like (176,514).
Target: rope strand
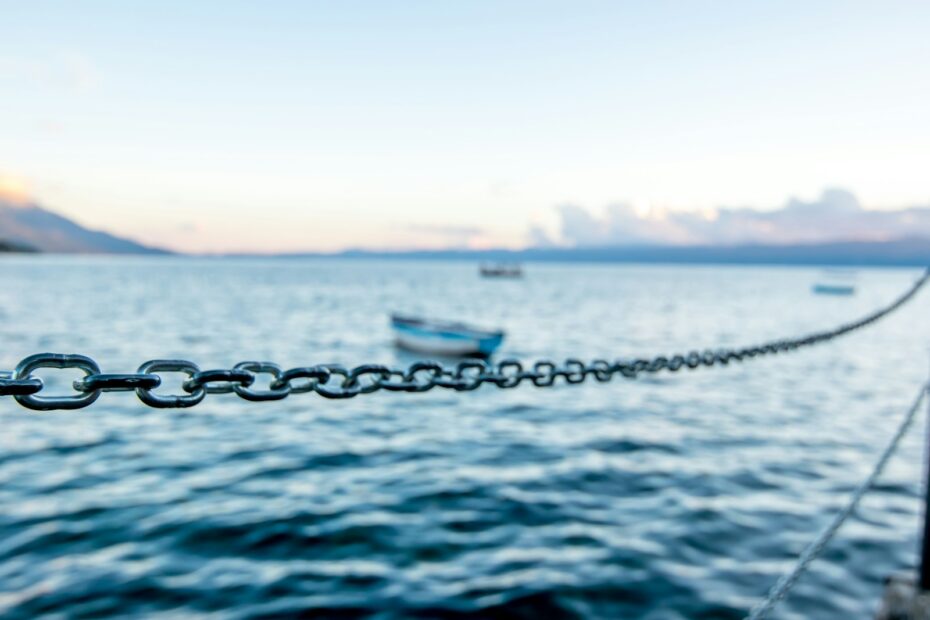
(781,588)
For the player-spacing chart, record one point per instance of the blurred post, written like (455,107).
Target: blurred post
(923,581)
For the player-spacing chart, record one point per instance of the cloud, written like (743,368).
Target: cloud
(446,231)
(442,235)
(539,238)
(836,215)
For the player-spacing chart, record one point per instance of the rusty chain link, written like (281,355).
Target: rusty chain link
(336,382)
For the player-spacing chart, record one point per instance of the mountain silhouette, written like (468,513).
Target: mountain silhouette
(30,227)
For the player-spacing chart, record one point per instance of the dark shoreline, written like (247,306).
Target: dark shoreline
(913,252)
(16,248)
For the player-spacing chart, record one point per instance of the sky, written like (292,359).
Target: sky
(289,126)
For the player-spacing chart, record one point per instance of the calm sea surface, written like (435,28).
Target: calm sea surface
(680,496)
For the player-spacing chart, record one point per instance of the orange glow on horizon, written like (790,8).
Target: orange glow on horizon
(14,189)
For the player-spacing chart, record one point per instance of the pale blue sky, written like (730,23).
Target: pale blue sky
(297,125)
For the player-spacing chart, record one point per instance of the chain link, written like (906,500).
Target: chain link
(19,387)
(218,381)
(337,382)
(116,383)
(32,400)
(149,397)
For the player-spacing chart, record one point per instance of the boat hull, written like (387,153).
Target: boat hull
(444,339)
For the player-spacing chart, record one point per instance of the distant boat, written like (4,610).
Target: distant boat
(502,270)
(836,282)
(834,289)
(444,337)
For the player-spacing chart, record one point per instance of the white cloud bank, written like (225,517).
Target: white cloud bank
(836,216)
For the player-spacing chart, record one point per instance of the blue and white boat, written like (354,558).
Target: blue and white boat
(836,282)
(444,337)
(827,288)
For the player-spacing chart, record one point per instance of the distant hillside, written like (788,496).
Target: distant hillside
(901,252)
(32,227)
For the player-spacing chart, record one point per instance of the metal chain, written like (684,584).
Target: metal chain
(333,381)
(781,588)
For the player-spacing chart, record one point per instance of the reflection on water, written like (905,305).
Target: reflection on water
(673,496)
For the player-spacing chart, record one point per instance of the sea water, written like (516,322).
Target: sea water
(675,496)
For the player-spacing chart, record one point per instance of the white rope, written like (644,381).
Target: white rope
(787,581)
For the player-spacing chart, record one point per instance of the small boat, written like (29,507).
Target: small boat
(833,289)
(502,270)
(836,282)
(444,337)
